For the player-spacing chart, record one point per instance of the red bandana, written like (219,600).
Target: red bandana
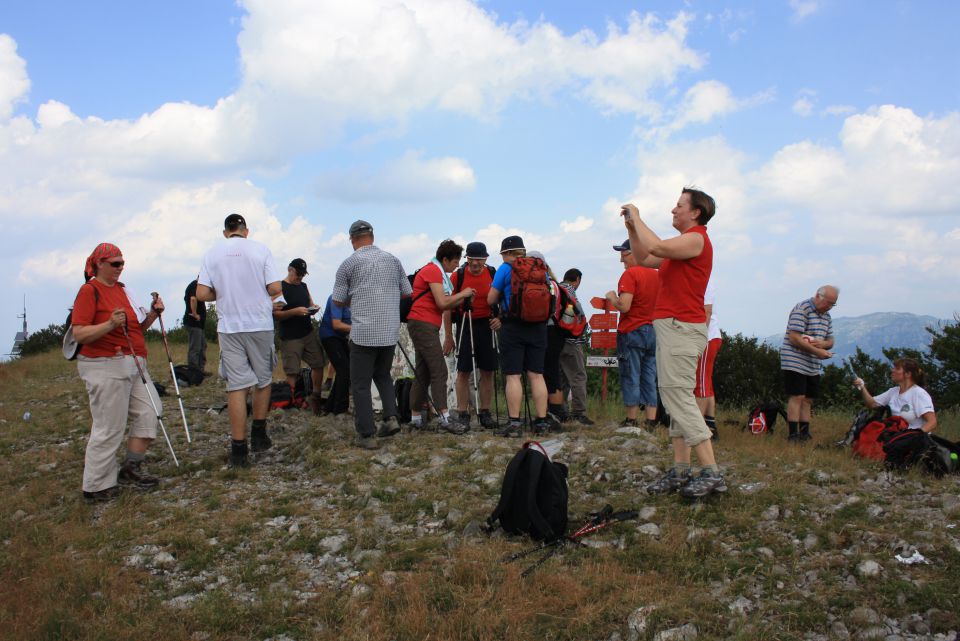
(103,251)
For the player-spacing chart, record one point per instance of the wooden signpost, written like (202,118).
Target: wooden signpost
(604,337)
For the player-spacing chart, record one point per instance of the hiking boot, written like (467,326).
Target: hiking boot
(630,422)
(669,482)
(259,441)
(102,496)
(455,425)
(366,443)
(582,419)
(388,427)
(238,459)
(317,404)
(134,474)
(513,428)
(714,433)
(487,421)
(804,432)
(650,425)
(544,425)
(707,483)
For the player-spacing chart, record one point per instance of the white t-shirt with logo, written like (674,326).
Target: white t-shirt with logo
(240,270)
(910,406)
(710,298)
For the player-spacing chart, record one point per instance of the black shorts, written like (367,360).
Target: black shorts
(797,384)
(551,360)
(522,347)
(484,354)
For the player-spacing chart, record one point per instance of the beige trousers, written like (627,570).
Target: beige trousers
(679,346)
(116,395)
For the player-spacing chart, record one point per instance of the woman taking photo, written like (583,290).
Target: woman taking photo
(907,399)
(109,326)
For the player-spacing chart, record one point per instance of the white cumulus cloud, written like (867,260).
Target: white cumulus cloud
(14,82)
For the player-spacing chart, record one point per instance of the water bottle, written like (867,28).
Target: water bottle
(568,315)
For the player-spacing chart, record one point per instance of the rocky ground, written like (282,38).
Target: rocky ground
(319,539)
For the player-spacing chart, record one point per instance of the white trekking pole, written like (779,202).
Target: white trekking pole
(150,393)
(173,374)
(473,360)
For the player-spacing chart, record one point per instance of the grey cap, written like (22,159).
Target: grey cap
(360,227)
(623,247)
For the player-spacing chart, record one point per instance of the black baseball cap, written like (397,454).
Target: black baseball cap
(510,243)
(623,247)
(300,266)
(233,221)
(360,227)
(477,250)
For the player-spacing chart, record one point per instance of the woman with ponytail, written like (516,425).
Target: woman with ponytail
(908,399)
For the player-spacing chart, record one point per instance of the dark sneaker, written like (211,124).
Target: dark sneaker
(650,426)
(582,419)
(543,425)
(366,443)
(238,459)
(487,421)
(804,434)
(317,404)
(388,427)
(455,425)
(707,483)
(669,482)
(259,441)
(134,474)
(714,433)
(629,422)
(102,496)
(513,428)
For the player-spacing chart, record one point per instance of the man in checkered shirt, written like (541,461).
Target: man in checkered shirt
(372,282)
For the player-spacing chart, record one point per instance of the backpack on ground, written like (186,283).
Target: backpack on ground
(304,385)
(870,442)
(402,387)
(406,303)
(571,322)
(763,416)
(533,498)
(70,346)
(188,375)
(457,314)
(281,396)
(863,418)
(530,294)
(915,447)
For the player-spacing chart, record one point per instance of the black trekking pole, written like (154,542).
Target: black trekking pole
(146,387)
(496,389)
(173,374)
(526,403)
(426,388)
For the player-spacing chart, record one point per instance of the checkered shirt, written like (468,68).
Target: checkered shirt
(372,282)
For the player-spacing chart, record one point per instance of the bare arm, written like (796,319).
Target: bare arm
(86,334)
(650,250)
(193,307)
(865,394)
(339,326)
(206,294)
(796,339)
(448,302)
(493,296)
(929,422)
(708,310)
(622,302)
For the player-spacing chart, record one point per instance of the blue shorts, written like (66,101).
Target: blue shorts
(637,355)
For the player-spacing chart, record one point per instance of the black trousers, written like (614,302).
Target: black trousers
(338,351)
(371,364)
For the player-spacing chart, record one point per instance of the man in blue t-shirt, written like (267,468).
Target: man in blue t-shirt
(334,334)
(522,346)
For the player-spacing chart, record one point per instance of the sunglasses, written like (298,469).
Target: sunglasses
(117,264)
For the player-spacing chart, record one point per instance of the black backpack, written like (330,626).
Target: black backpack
(70,346)
(406,303)
(402,388)
(188,375)
(304,385)
(916,447)
(533,499)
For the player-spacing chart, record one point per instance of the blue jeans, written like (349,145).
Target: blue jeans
(637,353)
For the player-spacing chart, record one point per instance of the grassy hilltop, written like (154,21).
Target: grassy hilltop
(320,540)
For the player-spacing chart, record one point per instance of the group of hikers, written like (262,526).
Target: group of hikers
(518,319)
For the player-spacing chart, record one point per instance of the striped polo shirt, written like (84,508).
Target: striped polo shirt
(809,322)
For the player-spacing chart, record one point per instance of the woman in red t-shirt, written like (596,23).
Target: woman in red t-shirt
(433,296)
(109,327)
(680,323)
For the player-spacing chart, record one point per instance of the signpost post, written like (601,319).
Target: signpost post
(603,338)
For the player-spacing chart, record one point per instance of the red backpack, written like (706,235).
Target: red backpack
(567,313)
(872,437)
(529,290)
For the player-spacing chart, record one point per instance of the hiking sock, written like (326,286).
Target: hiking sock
(711,423)
(556,409)
(714,469)
(134,457)
(681,468)
(445,416)
(804,430)
(416,421)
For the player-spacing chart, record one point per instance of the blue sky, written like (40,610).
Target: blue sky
(828,131)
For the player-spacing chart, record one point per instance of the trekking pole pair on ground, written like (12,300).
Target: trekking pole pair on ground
(597,521)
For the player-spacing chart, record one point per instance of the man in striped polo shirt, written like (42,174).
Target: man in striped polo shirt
(807,341)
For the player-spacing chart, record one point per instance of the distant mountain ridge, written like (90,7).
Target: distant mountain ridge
(874,332)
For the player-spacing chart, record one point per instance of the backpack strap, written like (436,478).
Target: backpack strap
(507,490)
(461,270)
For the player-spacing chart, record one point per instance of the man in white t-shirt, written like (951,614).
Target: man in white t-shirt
(240,275)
